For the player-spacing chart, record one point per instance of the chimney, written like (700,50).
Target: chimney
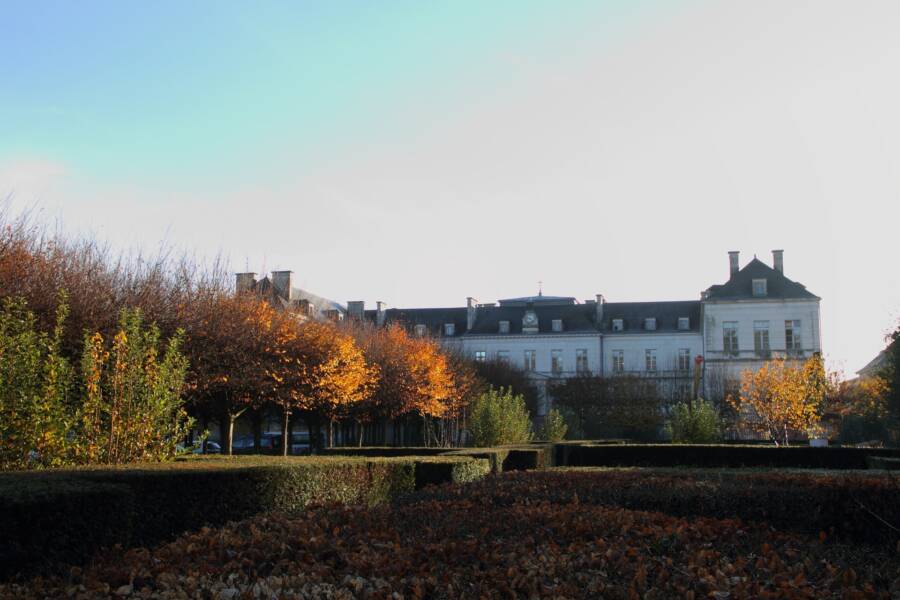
(471,310)
(733,262)
(244,282)
(283,281)
(380,313)
(356,309)
(599,308)
(778,260)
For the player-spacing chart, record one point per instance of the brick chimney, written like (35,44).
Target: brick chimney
(356,309)
(733,262)
(380,313)
(244,282)
(471,312)
(283,282)
(778,260)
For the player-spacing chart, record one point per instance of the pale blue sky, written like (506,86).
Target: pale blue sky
(419,153)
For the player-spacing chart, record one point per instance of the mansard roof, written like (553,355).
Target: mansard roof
(665,313)
(576,318)
(740,286)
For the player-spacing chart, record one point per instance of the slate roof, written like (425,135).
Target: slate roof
(576,318)
(666,314)
(740,286)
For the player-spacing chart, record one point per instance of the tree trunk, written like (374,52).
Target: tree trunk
(256,422)
(330,441)
(285,432)
(228,436)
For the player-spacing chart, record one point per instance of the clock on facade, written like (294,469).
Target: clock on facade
(530,319)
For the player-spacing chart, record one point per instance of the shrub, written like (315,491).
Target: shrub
(554,427)
(718,456)
(696,423)
(78,511)
(499,417)
(846,506)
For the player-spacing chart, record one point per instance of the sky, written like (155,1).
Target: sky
(422,152)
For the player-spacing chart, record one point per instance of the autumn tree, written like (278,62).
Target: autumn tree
(334,374)
(229,341)
(780,398)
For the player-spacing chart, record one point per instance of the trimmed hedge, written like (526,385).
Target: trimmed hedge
(717,456)
(502,458)
(846,506)
(883,462)
(382,451)
(53,517)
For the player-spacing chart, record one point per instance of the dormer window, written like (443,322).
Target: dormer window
(557,324)
(420,330)
(504,326)
(449,329)
(759,288)
(650,324)
(684,323)
(618,325)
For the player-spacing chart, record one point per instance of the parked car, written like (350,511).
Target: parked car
(211,448)
(299,443)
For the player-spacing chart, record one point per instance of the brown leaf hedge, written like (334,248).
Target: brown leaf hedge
(527,541)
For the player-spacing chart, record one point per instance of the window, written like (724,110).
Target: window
(581,361)
(449,329)
(556,361)
(684,359)
(618,325)
(650,324)
(557,324)
(684,323)
(759,287)
(730,337)
(618,358)
(684,390)
(761,338)
(503,356)
(792,336)
(650,356)
(420,330)
(480,356)
(504,326)
(530,360)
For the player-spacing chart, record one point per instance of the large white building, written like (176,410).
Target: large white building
(757,314)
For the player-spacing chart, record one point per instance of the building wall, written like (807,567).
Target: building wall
(542,344)
(634,347)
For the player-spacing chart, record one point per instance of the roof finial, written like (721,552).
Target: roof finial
(540,288)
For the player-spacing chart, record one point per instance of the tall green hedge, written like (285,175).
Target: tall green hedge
(673,455)
(48,518)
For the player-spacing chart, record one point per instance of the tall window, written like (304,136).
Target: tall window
(684,390)
(684,359)
(618,359)
(650,324)
(480,356)
(420,330)
(530,360)
(556,324)
(761,338)
(650,356)
(503,356)
(504,326)
(449,329)
(581,361)
(684,323)
(618,325)
(792,336)
(730,337)
(556,361)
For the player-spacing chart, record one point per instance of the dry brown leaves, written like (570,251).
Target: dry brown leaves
(462,548)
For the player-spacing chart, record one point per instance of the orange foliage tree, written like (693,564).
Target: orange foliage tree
(781,397)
